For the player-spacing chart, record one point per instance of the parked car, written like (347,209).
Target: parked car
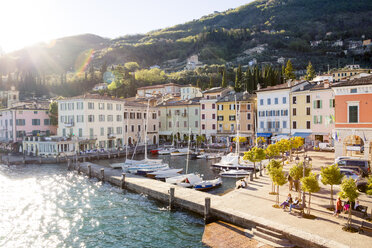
(362,184)
(348,173)
(356,162)
(326,147)
(338,159)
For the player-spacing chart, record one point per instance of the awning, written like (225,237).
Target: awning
(302,135)
(280,137)
(264,134)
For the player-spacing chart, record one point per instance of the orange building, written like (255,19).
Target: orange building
(353,113)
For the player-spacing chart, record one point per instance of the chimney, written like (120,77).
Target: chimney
(326,84)
(258,86)
(289,82)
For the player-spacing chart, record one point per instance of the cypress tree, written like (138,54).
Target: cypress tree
(310,72)
(224,78)
(210,82)
(288,72)
(238,79)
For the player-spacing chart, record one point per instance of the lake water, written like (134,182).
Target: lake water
(46,206)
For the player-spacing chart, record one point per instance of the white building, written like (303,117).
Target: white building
(273,109)
(161,89)
(190,92)
(9,97)
(101,121)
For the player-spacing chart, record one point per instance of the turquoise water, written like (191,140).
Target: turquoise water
(46,206)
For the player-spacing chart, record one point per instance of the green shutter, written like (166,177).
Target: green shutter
(320,120)
(330,103)
(320,105)
(314,119)
(314,104)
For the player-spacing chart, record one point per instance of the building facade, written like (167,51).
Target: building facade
(190,92)
(161,89)
(353,127)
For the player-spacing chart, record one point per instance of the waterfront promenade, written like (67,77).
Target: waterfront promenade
(253,206)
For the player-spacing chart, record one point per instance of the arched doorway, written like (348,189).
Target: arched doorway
(353,145)
(154,140)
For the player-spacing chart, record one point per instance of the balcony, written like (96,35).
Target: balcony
(111,136)
(69,124)
(169,115)
(226,131)
(270,130)
(184,114)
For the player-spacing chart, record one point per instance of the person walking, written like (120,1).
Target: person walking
(338,207)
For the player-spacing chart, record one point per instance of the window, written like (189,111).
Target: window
(308,111)
(284,100)
(153,116)
(36,122)
(284,124)
(353,112)
(196,111)
(101,106)
(353,90)
(294,100)
(46,122)
(214,126)
(308,125)
(248,116)
(110,118)
(64,132)
(110,130)
(132,116)
(80,118)
(203,127)
(90,105)
(101,118)
(232,106)
(248,106)
(185,124)
(118,107)
(170,124)
(331,103)
(294,112)
(318,119)
(276,100)
(213,116)
(213,106)
(262,124)
(109,106)
(231,117)
(125,115)
(308,99)
(154,128)
(139,115)
(249,127)
(80,105)
(294,125)
(203,116)
(90,118)
(20,122)
(232,127)
(196,124)
(80,132)
(203,106)
(268,101)
(159,124)
(91,132)
(102,131)
(318,104)
(261,102)
(220,118)
(177,124)
(132,128)
(220,107)
(119,117)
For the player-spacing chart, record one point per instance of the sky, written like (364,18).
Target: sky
(26,22)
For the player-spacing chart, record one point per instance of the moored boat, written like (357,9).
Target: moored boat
(164,172)
(208,184)
(235,173)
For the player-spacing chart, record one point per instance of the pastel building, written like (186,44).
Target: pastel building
(161,89)
(178,117)
(208,112)
(353,127)
(25,120)
(190,92)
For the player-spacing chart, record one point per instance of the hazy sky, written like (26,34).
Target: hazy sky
(25,22)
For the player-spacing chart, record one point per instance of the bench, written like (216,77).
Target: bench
(299,209)
(360,213)
(364,228)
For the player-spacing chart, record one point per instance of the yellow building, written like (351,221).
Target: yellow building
(301,111)
(346,73)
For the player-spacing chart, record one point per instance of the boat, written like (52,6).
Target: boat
(143,169)
(166,151)
(164,172)
(155,151)
(208,184)
(186,180)
(235,173)
(116,165)
(180,152)
(233,161)
(210,156)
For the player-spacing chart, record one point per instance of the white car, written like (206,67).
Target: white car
(348,173)
(338,159)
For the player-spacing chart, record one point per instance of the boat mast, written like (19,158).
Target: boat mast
(237,127)
(126,135)
(146,126)
(188,151)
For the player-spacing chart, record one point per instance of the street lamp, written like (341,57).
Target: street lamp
(306,160)
(297,160)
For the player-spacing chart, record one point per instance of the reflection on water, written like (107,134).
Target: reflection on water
(45,206)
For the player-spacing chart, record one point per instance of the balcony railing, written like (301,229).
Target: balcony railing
(277,130)
(226,131)
(69,124)
(111,136)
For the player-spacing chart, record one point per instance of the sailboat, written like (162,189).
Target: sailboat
(145,164)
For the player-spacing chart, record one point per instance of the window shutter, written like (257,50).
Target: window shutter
(314,104)
(320,122)
(330,103)
(314,119)
(320,103)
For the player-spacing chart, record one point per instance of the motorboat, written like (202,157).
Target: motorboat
(155,151)
(210,156)
(142,169)
(233,161)
(116,165)
(208,184)
(180,152)
(185,180)
(235,173)
(164,172)
(166,151)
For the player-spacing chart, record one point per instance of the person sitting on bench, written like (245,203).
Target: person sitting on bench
(295,204)
(358,207)
(287,202)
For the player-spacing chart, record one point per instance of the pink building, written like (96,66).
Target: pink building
(323,112)
(25,120)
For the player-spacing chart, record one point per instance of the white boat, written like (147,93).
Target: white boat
(186,180)
(233,161)
(208,184)
(166,151)
(145,168)
(235,173)
(209,155)
(180,152)
(164,172)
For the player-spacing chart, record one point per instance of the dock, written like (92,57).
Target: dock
(246,208)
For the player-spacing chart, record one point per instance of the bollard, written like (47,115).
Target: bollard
(7,160)
(68,164)
(122,180)
(171,197)
(251,176)
(207,210)
(89,171)
(109,155)
(118,154)
(103,174)
(78,167)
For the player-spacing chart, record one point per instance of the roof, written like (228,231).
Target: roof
(281,86)
(240,96)
(214,90)
(194,101)
(306,87)
(158,86)
(93,97)
(355,82)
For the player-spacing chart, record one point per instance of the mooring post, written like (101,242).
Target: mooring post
(122,180)
(171,197)
(7,160)
(102,174)
(89,171)
(207,210)
(109,155)
(68,164)
(251,176)
(78,167)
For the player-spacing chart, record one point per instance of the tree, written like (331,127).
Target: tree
(349,192)
(331,175)
(273,164)
(283,147)
(288,72)
(271,151)
(297,142)
(53,113)
(260,141)
(297,172)
(278,178)
(131,66)
(210,86)
(369,186)
(224,78)
(255,155)
(200,139)
(310,72)
(238,79)
(311,185)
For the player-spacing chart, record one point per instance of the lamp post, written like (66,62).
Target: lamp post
(306,160)
(297,160)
